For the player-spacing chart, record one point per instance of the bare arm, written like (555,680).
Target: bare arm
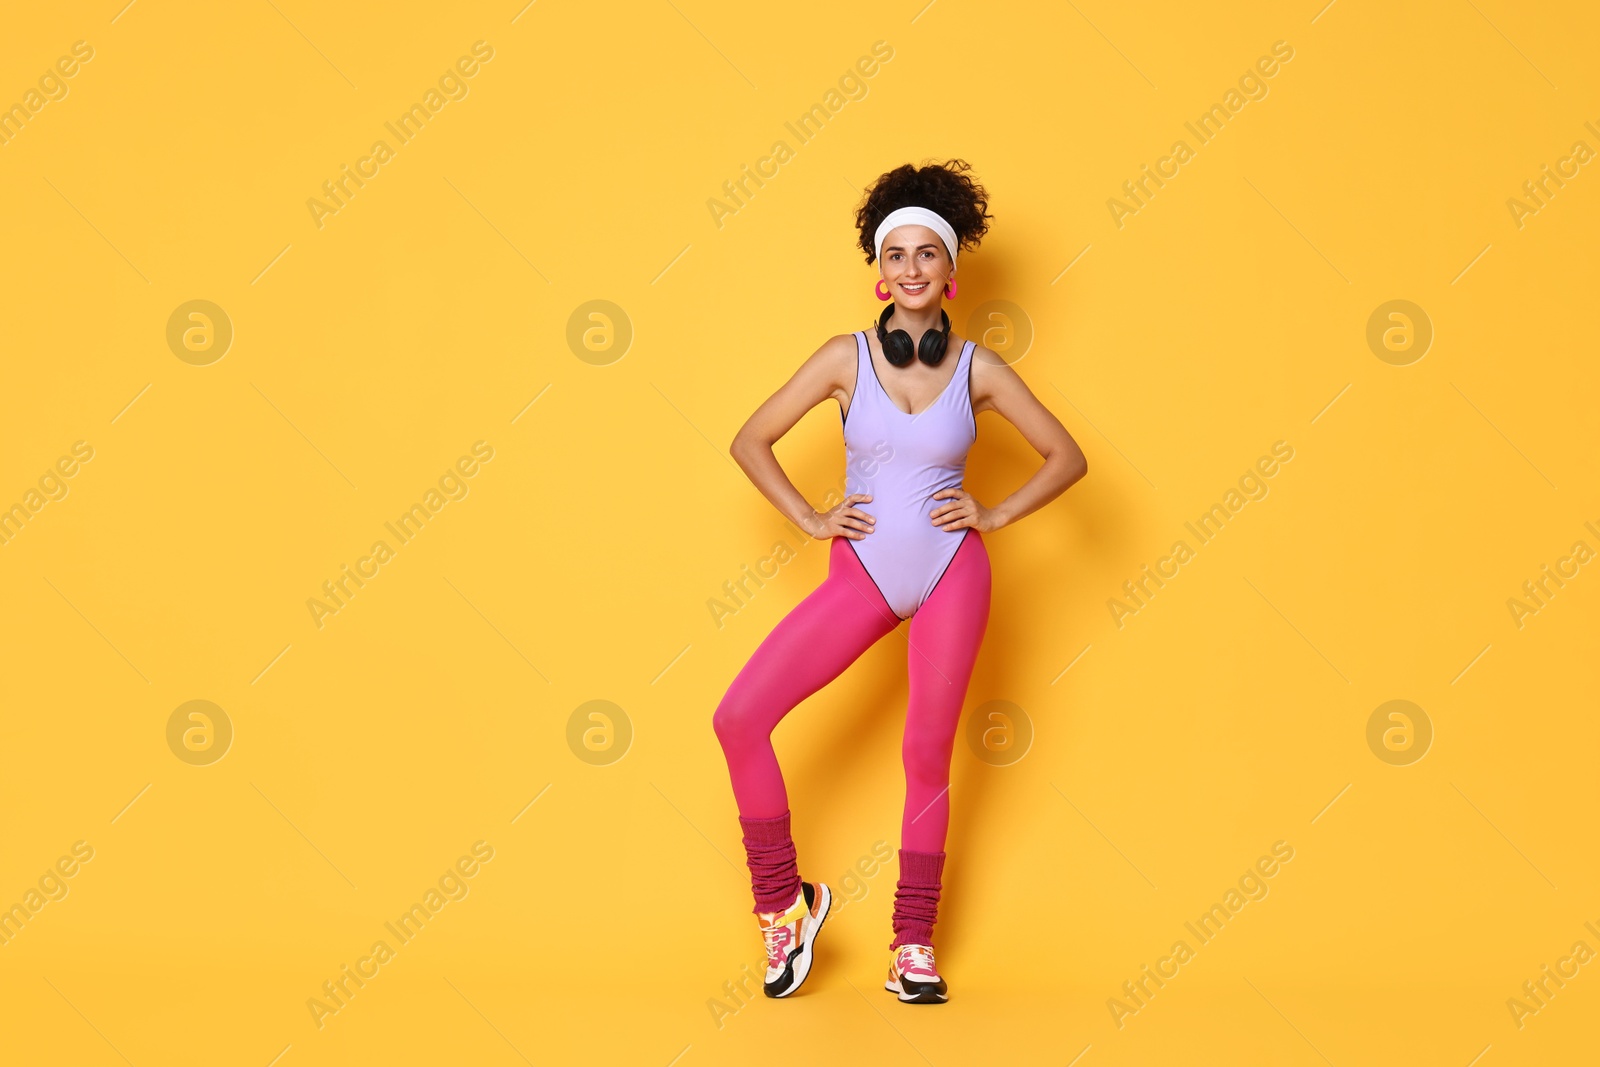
(996,387)
(825,374)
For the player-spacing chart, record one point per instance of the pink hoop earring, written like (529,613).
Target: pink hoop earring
(878,290)
(950,288)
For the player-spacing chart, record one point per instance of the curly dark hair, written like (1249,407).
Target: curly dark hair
(944,188)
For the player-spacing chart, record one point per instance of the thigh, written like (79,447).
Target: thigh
(947,631)
(819,638)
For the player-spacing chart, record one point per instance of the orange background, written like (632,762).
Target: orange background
(447,302)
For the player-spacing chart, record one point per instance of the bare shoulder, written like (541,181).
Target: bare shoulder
(990,374)
(985,354)
(837,357)
(838,348)
(831,369)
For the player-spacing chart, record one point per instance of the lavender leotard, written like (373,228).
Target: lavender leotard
(902,460)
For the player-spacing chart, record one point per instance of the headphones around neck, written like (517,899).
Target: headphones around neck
(897,343)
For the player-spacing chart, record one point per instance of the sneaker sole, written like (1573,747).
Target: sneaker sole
(914,998)
(802,963)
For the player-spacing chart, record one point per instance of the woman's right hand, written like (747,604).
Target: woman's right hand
(844,519)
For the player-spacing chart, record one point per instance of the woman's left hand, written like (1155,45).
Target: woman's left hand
(962,511)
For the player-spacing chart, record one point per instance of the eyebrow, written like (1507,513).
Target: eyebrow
(902,248)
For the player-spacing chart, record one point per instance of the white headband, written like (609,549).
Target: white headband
(919,216)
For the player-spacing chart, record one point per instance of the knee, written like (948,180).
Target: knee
(734,724)
(927,761)
(724,723)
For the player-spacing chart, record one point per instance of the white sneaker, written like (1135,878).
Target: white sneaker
(789,935)
(913,977)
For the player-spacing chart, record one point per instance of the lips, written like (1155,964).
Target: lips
(913,289)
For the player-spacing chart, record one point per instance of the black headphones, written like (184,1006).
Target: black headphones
(897,343)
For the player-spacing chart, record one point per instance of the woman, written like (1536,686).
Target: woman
(906,542)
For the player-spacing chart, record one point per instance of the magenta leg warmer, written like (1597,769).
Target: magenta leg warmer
(916,898)
(769,851)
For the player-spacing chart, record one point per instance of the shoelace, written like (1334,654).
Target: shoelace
(916,958)
(776,937)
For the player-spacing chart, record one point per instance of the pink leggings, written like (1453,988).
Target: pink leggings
(824,634)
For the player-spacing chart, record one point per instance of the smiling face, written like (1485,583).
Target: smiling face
(915,265)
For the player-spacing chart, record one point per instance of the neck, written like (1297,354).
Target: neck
(914,321)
